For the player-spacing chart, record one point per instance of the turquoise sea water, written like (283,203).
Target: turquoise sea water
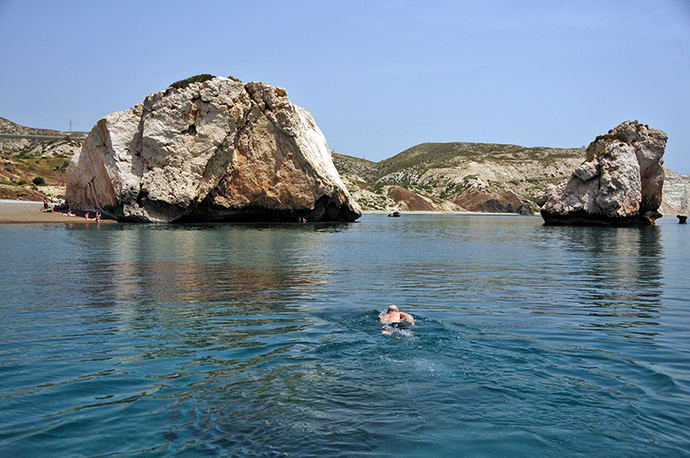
(264,340)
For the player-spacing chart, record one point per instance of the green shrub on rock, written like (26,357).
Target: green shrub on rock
(617,136)
(192,79)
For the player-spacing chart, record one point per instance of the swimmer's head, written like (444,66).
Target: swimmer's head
(392,308)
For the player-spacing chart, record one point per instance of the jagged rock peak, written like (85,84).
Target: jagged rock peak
(209,148)
(619,183)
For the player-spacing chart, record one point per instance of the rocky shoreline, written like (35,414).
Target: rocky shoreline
(445,177)
(29,212)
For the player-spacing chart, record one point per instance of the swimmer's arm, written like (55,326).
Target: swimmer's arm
(407,317)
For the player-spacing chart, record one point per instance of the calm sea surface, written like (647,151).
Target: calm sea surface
(264,339)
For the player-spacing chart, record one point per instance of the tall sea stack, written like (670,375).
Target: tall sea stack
(210,149)
(619,183)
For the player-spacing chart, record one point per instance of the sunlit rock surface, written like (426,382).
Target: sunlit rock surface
(209,150)
(619,183)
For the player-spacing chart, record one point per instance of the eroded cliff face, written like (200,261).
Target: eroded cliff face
(619,183)
(676,198)
(214,150)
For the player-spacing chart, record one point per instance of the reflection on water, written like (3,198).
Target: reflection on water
(206,264)
(264,339)
(612,272)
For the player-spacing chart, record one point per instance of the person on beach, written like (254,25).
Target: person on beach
(46,206)
(394,317)
(98,217)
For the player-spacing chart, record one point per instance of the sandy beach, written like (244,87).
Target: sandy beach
(20,211)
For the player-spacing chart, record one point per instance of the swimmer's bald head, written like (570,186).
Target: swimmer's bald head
(392,308)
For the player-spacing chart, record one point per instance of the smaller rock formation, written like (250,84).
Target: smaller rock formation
(619,183)
(682,219)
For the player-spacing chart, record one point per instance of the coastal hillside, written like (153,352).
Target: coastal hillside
(481,177)
(33,161)
(21,139)
(458,176)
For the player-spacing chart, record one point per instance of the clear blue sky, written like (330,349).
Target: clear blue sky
(378,76)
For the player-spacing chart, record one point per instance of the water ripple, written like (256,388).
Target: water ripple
(264,339)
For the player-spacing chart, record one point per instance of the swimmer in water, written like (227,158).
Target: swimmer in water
(394,318)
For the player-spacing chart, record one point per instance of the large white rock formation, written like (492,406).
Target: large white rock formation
(209,148)
(620,182)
